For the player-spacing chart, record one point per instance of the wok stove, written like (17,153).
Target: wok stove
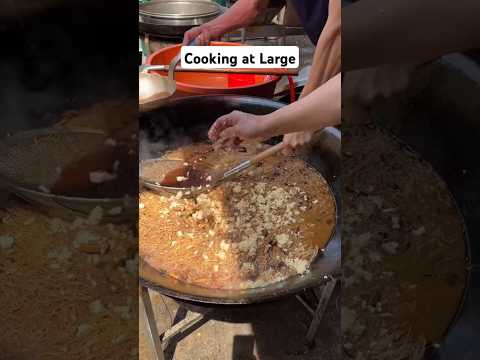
(314,300)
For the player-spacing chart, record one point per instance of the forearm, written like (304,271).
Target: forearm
(377,32)
(241,14)
(321,108)
(327,58)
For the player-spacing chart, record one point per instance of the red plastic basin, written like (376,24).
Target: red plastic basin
(210,83)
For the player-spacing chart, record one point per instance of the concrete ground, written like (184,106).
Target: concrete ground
(273,331)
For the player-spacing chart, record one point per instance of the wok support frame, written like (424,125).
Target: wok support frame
(160,342)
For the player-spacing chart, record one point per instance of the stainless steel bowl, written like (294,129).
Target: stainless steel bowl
(173,18)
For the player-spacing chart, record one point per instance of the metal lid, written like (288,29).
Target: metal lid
(172,9)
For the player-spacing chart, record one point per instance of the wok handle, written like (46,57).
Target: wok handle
(269,152)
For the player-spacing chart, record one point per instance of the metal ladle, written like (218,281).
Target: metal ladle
(154,89)
(154,171)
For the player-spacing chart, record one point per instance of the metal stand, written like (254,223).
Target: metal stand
(161,341)
(324,295)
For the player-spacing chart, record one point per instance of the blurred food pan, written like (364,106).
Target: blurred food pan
(31,162)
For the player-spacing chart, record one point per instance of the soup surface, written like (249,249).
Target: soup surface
(262,227)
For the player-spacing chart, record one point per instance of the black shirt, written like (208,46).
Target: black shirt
(313,14)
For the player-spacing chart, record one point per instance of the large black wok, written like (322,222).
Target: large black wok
(187,120)
(438,116)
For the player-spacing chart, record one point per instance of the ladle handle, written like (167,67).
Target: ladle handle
(175,61)
(254,160)
(279,72)
(269,152)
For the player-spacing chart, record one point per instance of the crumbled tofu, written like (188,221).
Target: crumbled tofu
(116,166)
(282,240)
(198,215)
(6,242)
(96,215)
(83,329)
(179,233)
(420,231)
(205,256)
(62,254)
(173,243)
(237,189)
(215,268)
(260,187)
(247,267)
(141,205)
(209,178)
(300,266)
(117,210)
(98,177)
(124,311)
(249,244)
(181,178)
(224,245)
(390,247)
(110,142)
(84,237)
(132,265)
(179,195)
(96,307)
(57,226)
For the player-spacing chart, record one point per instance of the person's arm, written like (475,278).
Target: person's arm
(378,32)
(326,64)
(319,109)
(241,14)
(327,57)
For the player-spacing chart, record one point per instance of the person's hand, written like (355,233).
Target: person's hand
(296,139)
(237,126)
(201,34)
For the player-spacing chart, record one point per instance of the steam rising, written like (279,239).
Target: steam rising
(165,132)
